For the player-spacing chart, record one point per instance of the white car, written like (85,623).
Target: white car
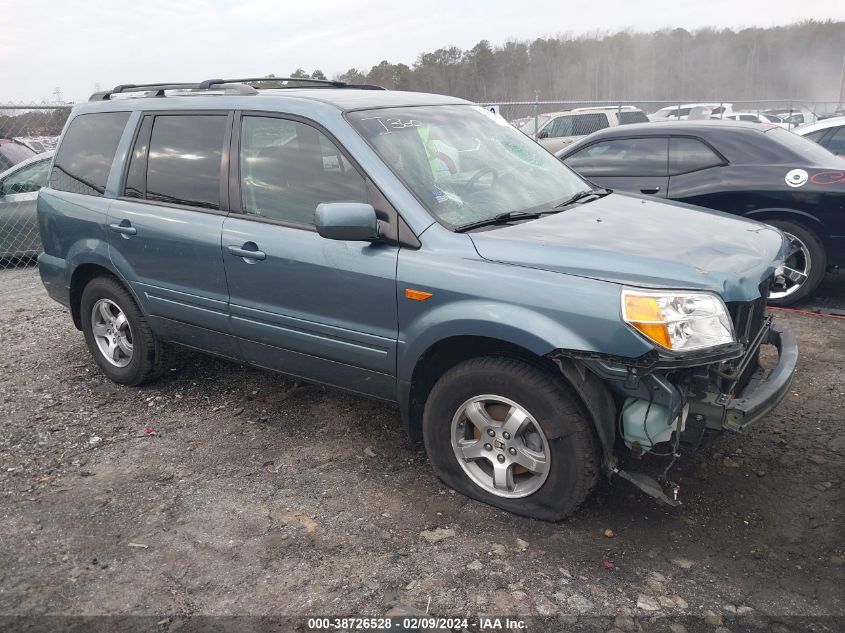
(754,117)
(685,111)
(829,133)
(556,130)
(793,117)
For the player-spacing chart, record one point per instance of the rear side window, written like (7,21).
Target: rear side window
(184,159)
(689,154)
(577,125)
(86,153)
(629,116)
(622,157)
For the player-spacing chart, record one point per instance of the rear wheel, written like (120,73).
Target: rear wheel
(118,336)
(803,270)
(510,434)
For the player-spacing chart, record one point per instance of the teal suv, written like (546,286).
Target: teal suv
(417,249)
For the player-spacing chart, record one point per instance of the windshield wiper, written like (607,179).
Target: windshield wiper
(583,195)
(510,216)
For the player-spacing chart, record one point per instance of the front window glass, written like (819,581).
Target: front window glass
(622,157)
(288,168)
(464,163)
(29,179)
(529,128)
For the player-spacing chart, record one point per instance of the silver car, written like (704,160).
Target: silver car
(19,188)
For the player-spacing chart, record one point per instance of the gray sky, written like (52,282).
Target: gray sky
(76,44)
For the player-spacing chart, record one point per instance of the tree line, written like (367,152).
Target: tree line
(797,61)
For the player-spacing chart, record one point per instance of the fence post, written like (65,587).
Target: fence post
(536,117)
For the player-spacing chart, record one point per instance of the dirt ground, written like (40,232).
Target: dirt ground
(258,495)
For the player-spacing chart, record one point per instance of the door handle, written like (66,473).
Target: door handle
(124,228)
(239,251)
(650,190)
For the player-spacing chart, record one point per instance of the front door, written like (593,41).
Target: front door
(636,165)
(164,229)
(321,309)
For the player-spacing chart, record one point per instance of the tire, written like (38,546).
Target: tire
(569,443)
(149,356)
(814,256)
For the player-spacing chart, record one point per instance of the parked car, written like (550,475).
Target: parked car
(417,249)
(793,117)
(559,129)
(758,171)
(753,117)
(829,133)
(12,153)
(685,111)
(19,188)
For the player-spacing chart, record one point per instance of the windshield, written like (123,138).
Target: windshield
(466,164)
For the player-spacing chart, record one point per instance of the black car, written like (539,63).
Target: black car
(759,171)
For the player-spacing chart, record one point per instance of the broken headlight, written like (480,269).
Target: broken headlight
(678,321)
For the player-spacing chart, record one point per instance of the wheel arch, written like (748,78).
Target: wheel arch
(808,220)
(80,277)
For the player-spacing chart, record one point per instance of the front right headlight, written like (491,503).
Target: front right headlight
(678,321)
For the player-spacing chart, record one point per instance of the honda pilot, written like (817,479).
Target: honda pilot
(416,249)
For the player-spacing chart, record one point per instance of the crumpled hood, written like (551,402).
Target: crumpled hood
(643,242)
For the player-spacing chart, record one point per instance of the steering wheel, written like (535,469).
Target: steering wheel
(473,182)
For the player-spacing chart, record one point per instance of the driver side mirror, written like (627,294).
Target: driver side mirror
(543,134)
(347,221)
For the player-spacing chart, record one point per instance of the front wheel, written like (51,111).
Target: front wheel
(511,434)
(803,270)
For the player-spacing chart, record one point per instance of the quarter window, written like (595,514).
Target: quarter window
(86,153)
(689,154)
(288,168)
(183,166)
(622,157)
(576,125)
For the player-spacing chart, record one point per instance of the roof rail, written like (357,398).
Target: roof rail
(296,81)
(159,89)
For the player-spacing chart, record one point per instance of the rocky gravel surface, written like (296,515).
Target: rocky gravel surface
(223,490)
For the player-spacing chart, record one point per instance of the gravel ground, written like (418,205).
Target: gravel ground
(259,495)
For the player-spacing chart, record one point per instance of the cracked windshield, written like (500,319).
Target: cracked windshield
(466,164)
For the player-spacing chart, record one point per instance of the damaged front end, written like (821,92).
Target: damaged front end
(667,404)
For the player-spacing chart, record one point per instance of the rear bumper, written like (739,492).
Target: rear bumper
(53,276)
(763,394)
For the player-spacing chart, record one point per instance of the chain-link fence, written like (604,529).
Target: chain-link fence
(28,134)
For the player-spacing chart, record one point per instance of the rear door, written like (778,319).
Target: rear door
(18,221)
(636,165)
(305,305)
(165,227)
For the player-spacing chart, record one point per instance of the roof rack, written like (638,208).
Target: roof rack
(158,89)
(229,86)
(289,82)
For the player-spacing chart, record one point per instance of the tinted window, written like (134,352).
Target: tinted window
(836,143)
(288,168)
(183,166)
(626,117)
(577,125)
(622,157)
(86,153)
(689,154)
(136,176)
(27,179)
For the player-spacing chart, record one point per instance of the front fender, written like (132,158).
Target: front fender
(511,323)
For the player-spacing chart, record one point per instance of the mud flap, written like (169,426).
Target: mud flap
(648,485)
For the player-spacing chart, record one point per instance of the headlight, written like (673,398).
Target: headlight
(679,321)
